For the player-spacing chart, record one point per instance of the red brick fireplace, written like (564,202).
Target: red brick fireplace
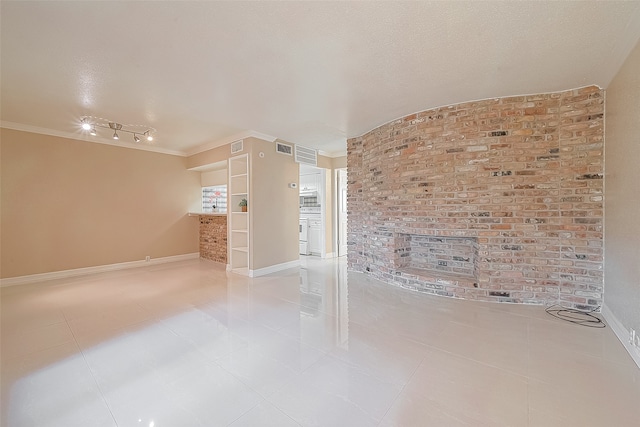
(498,200)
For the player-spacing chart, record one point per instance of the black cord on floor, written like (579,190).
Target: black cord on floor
(572,315)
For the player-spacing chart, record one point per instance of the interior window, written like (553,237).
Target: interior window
(214,199)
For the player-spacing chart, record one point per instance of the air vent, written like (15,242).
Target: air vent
(305,155)
(236,147)
(283,148)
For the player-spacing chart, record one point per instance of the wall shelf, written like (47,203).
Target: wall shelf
(239,233)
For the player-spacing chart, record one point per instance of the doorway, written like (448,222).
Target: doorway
(341,204)
(313,205)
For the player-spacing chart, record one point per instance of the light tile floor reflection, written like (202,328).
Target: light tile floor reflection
(187,344)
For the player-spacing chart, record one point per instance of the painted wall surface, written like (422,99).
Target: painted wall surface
(622,207)
(209,157)
(273,206)
(70,204)
(324,162)
(339,162)
(330,164)
(217,177)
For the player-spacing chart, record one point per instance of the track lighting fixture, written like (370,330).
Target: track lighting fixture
(91,123)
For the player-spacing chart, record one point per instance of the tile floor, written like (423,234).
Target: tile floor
(187,345)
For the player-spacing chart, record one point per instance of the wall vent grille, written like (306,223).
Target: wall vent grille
(283,148)
(237,146)
(305,155)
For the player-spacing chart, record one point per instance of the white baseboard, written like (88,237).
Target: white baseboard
(329,255)
(621,332)
(274,268)
(63,274)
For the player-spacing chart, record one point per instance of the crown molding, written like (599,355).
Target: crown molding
(333,154)
(81,137)
(228,140)
(123,144)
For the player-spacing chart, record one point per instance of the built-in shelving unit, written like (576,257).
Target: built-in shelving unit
(239,235)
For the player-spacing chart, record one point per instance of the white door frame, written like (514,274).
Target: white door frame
(341,212)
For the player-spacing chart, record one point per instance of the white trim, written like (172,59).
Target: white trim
(228,140)
(63,274)
(329,255)
(622,333)
(334,154)
(274,268)
(82,137)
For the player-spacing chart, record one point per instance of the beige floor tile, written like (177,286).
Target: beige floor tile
(471,391)
(189,344)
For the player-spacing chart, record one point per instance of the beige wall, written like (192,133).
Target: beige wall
(209,157)
(330,164)
(70,204)
(273,206)
(324,162)
(217,177)
(622,202)
(339,162)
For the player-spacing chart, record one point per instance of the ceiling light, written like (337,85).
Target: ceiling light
(92,123)
(116,127)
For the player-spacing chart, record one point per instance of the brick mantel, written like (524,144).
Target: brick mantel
(521,176)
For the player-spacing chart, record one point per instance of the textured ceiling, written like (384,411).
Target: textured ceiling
(312,73)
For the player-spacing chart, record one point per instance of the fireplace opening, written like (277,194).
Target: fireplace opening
(437,256)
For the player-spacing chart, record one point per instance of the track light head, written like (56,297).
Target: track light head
(136,138)
(149,136)
(85,124)
(115,135)
(93,131)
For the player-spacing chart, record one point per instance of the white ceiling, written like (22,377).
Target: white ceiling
(311,73)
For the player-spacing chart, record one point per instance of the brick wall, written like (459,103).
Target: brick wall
(519,180)
(213,238)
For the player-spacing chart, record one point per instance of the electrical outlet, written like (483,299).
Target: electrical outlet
(148,258)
